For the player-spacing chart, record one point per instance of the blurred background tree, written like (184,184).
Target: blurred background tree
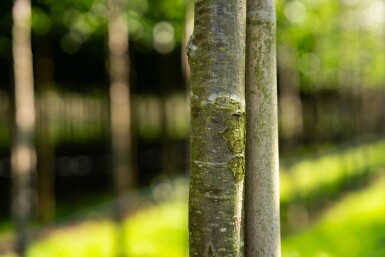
(331,94)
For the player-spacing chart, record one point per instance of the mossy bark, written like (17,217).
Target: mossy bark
(216,53)
(262,230)
(23,148)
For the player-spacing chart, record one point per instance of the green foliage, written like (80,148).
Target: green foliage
(41,22)
(343,39)
(79,21)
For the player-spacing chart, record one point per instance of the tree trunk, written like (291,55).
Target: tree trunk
(45,165)
(123,167)
(169,167)
(187,32)
(23,149)
(262,229)
(44,145)
(216,53)
(290,104)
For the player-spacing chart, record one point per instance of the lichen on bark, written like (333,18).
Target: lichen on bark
(217,60)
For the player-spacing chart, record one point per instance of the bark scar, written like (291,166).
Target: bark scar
(237,166)
(234,134)
(211,252)
(191,47)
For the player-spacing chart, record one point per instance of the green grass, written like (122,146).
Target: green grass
(326,172)
(354,227)
(159,231)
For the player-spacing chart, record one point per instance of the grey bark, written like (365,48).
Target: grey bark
(23,155)
(216,53)
(123,168)
(262,227)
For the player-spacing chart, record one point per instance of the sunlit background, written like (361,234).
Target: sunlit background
(331,83)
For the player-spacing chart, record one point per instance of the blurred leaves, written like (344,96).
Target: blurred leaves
(340,43)
(78,21)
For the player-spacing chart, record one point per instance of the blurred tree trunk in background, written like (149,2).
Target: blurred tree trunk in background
(123,167)
(216,53)
(23,149)
(169,158)
(44,147)
(290,104)
(262,223)
(45,165)
(188,29)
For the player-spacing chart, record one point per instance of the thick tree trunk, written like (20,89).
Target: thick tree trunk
(120,103)
(262,230)
(216,53)
(23,149)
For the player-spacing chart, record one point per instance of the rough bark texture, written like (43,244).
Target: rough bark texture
(120,103)
(23,149)
(262,229)
(217,59)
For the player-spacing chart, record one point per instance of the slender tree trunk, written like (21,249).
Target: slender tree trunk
(290,104)
(188,29)
(44,147)
(120,103)
(169,167)
(45,165)
(23,149)
(262,229)
(216,53)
